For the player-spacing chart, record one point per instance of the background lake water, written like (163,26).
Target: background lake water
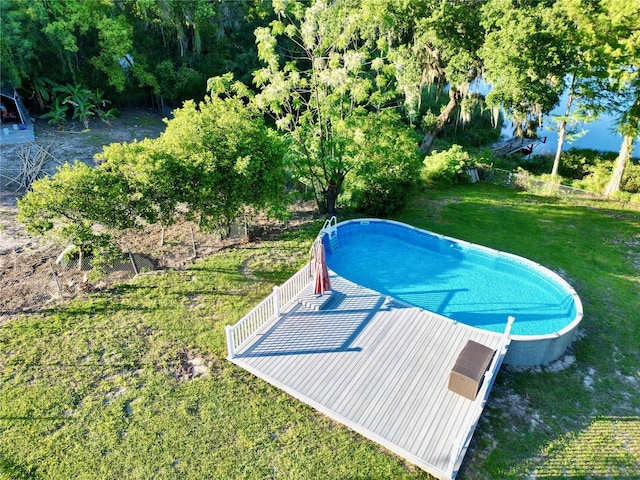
(599,135)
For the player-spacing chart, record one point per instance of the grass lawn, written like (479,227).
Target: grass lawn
(101,387)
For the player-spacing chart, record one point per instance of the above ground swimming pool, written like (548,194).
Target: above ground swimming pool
(467,283)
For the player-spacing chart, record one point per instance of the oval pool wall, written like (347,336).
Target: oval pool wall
(525,350)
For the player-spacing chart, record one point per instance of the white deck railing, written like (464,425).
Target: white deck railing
(266,311)
(461,443)
(296,284)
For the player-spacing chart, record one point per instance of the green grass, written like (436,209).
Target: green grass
(596,248)
(96,139)
(89,390)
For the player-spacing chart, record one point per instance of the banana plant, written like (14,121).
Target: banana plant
(42,88)
(80,98)
(107,115)
(100,104)
(57,115)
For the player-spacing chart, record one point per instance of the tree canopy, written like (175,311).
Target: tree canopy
(67,206)
(214,160)
(325,83)
(343,81)
(227,158)
(128,49)
(525,57)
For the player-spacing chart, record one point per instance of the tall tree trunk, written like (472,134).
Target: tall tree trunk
(331,196)
(621,163)
(455,97)
(561,137)
(562,132)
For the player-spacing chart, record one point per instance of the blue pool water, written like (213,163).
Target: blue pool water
(467,283)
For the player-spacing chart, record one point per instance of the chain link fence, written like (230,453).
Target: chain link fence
(29,287)
(525,182)
(34,277)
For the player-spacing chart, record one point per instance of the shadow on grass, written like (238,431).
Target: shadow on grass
(14,471)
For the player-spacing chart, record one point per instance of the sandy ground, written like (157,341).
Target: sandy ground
(26,263)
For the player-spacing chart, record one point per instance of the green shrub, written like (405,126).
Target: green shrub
(574,164)
(631,179)
(382,196)
(534,165)
(485,156)
(537,164)
(578,163)
(597,168)
(446,167)
(507,162)
(387,165)
(597,177)
(179,82)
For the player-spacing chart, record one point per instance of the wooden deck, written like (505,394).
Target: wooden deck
(379,367)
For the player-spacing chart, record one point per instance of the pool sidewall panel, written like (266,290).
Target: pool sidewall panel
(524,350)
(530,352)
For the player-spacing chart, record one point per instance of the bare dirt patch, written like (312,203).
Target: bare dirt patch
(27,264)
(190,365)
(30,278)
(27,281)
(74,142)
(70,143)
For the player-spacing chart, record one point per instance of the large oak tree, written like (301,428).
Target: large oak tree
(324,81)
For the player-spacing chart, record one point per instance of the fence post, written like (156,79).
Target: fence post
(193,243)
(132,260)
(276,301)
(55,277)
(230,349)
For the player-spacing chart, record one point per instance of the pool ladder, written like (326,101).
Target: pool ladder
(330,228)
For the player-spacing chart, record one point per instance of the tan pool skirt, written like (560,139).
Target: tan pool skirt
(468,372)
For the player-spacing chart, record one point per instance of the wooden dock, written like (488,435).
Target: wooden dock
(379,367)
(521,145)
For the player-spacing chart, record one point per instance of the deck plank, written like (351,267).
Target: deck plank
(378,366)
